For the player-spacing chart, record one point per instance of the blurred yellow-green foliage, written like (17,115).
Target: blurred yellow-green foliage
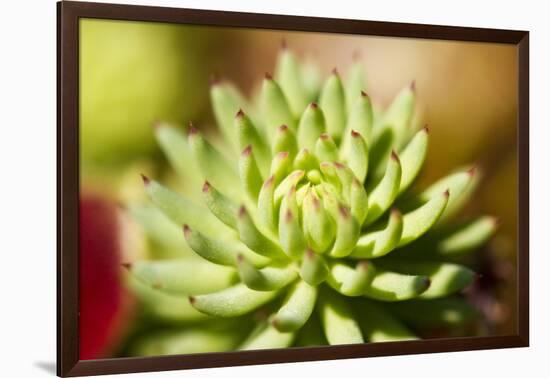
(134,73)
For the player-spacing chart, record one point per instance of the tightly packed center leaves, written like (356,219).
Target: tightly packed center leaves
(305,213)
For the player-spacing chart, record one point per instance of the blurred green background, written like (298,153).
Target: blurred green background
(133,74)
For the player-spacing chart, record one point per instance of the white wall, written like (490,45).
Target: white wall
(27,207)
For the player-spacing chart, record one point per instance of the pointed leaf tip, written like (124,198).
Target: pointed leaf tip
(313,105)
(355,134)
(364,94)
(145,179)
(395,212)
(191,299)
(242,211)
(394,155)
(214,79)
(289,216)
(186,230)
(191,129)
(472,171)
(269,182)
(206,187)
(426,129)
(413,85)
(127,266)
(268,76)
(284,45)
(447,193)
(239,114)
(247,151)
(344,211)
(335,71)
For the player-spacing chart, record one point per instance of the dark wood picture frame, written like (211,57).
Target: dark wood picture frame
(68,15)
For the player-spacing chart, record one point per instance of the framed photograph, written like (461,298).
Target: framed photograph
(238,188)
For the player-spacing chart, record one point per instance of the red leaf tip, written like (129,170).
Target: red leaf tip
(270,181)
(146,180)
(268,76)
(157,124)
(344,211)
(247,151)
(283,154)
(127,265)
(313,105)
(242,211)
(394,155)
(206,187)
(447,193)
(191,129)
(355,134)
(214,79)
(413,86)
(395,212)
(186,230)
(192,299)
(239,114)
(289,216)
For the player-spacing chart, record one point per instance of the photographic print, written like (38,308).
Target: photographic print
(246,189)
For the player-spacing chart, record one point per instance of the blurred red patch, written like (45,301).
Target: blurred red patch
(103,299)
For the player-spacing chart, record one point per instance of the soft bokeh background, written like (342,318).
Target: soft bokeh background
(133,74)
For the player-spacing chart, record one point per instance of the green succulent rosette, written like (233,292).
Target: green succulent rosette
(301,222)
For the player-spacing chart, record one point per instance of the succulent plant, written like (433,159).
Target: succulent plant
(305,226)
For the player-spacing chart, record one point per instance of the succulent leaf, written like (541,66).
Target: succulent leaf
(183,211)
(378,243)
(233,301)
(289,78)
(383,195)
(182,276)
(297,307)
(213,166)
(266,279)
(221,206)
(332,101)
(378,325)
(275,107)
(312,125)
(412,158)
(338,319)
(256,240)
(392,286)
(249,136)
(268,338)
